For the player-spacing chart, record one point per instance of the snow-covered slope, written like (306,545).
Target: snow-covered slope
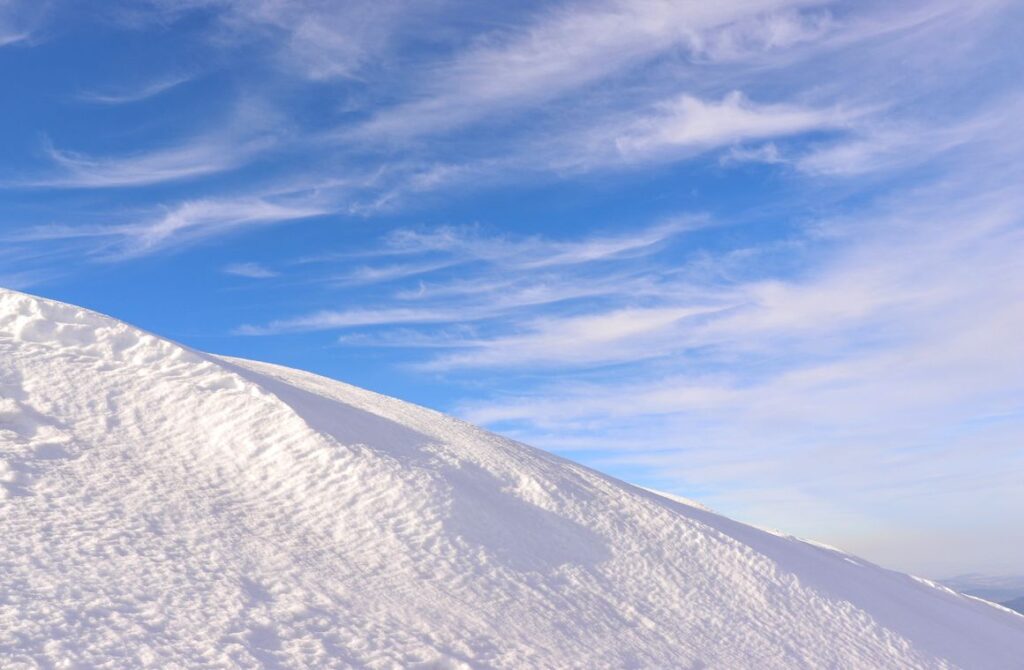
(169,508)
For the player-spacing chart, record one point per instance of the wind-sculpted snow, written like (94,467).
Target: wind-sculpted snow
(166,508)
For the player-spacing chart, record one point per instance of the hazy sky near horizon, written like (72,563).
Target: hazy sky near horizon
(767,254)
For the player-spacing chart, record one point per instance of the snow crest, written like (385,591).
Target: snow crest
(162,507)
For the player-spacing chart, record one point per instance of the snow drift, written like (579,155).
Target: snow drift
(163,507)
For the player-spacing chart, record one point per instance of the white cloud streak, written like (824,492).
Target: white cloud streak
(321,41)
(514,275)
(621,335)
(18,21)
(689,125)
(7,38)
(250,270)
(201,157)
(338,319)
(765,153)
(562,50)
(179,226)
(130,95)
(878,149)
(537,252)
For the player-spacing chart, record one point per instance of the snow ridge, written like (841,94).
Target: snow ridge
(167,508)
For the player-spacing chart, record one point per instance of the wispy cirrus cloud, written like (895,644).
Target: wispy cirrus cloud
(129,95)
(763,153)
(895,145)
(689,122)
(382,273)
(196,158)
(765,33)
(340,319)
(19,19)
(687,125)
(416,252)
(561,50)
(320,41)
(628,334)
(195,220)
(11,37)
(713,62)
(330,40)
(505,275)
(249,270)
(695,63)
(536,251)
(181,225)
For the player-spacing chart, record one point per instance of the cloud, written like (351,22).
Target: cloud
(250,270)
(656,83)
(19,19)
(26,278)
(538,252)
(194,220)
(766,153)
(897,145)
(7,38)
(179,226)
(337,319)
(687,124)
(125,96)
(764,33)
(448,304)
(642,82)
(505,274)
(321,41)
(197,158)
(629,334)
(317,39)
(559,51)
(375,274)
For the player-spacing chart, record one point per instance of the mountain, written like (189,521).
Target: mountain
(165,507)
(994,588)
(1017,604)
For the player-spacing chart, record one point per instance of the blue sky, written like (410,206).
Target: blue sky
(762,253)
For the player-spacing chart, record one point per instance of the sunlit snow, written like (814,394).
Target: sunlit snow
(168,508)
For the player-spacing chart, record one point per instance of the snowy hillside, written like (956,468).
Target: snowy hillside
(165,507)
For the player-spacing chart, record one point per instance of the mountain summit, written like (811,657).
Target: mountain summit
(164,507)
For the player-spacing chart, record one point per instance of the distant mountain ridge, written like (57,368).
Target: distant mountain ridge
(1017,604)
(165,507)
(994,588)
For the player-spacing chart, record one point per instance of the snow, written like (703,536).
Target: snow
(162,507)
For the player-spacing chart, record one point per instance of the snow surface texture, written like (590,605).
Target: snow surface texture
(163,507)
